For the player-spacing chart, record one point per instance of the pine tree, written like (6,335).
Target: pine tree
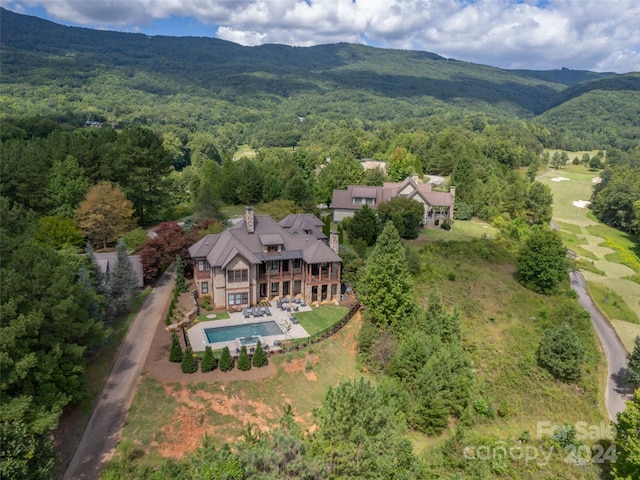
(176,350)
(561,353)
(181,283)
(244,363)
(208,360)
(226,360)
(633,370)
(188,364)
(385,288)
(123,282)
(260,357)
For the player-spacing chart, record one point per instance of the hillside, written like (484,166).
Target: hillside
(197,82)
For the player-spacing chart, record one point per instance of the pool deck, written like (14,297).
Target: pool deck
(198,338)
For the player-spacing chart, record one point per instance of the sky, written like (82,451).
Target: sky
(597,35)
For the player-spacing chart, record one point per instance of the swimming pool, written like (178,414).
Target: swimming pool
(225,334)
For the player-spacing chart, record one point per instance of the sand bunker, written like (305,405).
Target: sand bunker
(581,203)
(559,179)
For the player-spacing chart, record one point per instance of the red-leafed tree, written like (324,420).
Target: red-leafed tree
(167,241)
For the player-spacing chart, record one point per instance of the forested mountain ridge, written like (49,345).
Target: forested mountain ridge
(48,67)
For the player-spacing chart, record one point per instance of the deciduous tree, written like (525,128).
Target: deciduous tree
(627,441)
(105,214)
(406,215)
(363,225)
(542,262)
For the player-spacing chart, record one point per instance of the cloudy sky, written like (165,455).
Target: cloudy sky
(599,35)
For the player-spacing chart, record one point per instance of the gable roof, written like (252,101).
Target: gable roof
(301,223)
(343,199)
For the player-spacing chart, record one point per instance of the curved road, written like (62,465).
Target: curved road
(103,429)
(617,391)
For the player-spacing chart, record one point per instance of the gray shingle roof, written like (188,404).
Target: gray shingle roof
(219,249)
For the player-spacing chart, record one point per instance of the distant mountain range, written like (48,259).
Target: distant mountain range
(49,68)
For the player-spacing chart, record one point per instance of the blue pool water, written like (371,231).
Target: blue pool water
(225,334)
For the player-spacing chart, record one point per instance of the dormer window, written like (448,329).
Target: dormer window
(273,248)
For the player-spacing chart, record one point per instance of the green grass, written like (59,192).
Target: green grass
(151,408)
(612,305)
(220,315)
(578,187)
(244,151)
(462,230)
(627,333)
(321,318)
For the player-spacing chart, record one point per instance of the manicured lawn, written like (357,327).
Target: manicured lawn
(321,318)
(219,315)
(565,192)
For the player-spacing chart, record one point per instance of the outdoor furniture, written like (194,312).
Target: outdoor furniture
(257,312)
(245,312)
(267,311)
(303,303)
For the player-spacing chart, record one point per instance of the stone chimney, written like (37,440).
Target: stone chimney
(333,241)
(248,217)
(452,191)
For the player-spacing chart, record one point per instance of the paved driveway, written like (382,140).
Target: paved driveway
(103,430)
(618,391)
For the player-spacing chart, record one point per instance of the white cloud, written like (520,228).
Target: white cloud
(585,34)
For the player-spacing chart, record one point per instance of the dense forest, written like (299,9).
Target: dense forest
(125,131)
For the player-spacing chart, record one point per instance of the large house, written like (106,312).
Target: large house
(258,259)
(437,205)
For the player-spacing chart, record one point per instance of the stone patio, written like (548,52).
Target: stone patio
(198,338)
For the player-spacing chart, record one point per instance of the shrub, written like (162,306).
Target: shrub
(226,360)
(206,303)
(208,360)
(244,363)
(483,409)
(176,350)
(188,364)
(260,357)
(446,224)
(561,353)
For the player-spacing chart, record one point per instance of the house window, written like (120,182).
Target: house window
(263,289)
(285,288)
(285,265)
(237,276)
(238,298)
(272,248)
(204,287)
(203,265)
(296,263)
(274,287)
(274,265)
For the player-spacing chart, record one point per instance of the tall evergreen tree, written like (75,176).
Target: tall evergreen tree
(175,355)
(123,282)
(208,360)
(188,363)
(226,360)
(181,283)
(259,357)
(385,288)
(244,363)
